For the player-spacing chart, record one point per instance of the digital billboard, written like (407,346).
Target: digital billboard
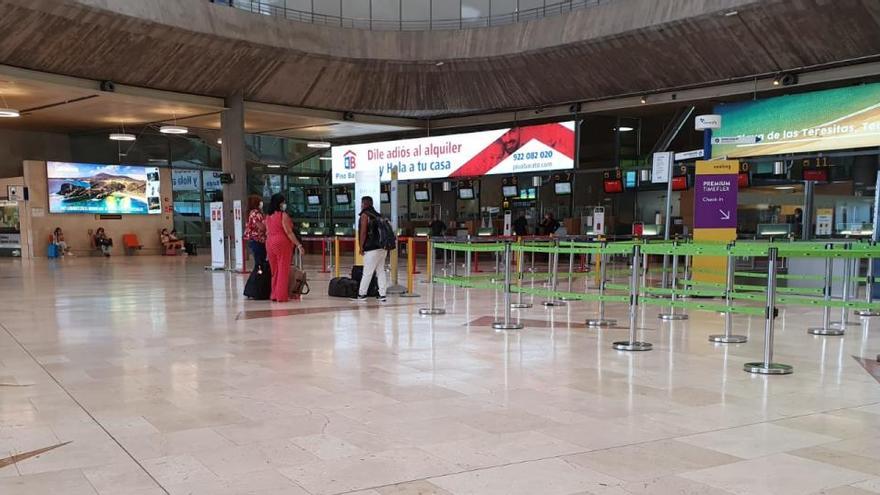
(527,149)
(89,188)
(832,119)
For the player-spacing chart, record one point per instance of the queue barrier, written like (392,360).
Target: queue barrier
(670,297)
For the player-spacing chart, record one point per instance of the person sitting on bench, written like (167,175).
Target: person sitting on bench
(103,242)
(170,241)
(60,243)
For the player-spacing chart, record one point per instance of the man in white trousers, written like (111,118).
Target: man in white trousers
(371,250)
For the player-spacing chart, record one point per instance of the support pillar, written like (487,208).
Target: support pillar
(232,160)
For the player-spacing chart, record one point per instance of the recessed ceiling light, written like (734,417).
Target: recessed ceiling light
(122,136)
(303,178)
(274,166)
(319,144)
(9,113)
(173,129)
(625,128)
(326,158)
(439,64)
(731,13)
(219,140)
(643,100)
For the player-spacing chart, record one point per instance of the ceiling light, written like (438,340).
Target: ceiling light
(326,158)
(122,136)
(173,129)
(776,82)
(303,178)
(274,166)
(318,144)
(731,13)
(439,64)
(9,113)
(219,140)
(643,100)
(625,128)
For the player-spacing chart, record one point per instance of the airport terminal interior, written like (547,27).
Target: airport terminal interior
(448,247)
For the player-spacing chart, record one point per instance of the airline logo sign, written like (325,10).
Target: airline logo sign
(528,149)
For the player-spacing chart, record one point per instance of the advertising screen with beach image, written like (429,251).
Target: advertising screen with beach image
(88,188)
(833,119)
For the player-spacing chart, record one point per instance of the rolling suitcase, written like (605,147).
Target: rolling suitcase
(357,273)
(259,283)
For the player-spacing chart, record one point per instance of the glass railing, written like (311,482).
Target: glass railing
(395,19)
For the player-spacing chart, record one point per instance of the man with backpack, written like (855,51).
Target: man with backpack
(375,238)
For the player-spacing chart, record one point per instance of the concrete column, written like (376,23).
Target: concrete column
(232,157)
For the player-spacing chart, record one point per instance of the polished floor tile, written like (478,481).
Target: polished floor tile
(164,380)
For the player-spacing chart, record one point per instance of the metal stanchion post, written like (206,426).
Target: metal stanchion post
(847,282)
(632,344)
(826,329)
(532,263)
(728,337)
(768,367)
(554,278)
(467,261)
(519,304)
(600,320)
(672,315)
(454,268)
(869,289)
(506,324)
(570,270)
(433,309)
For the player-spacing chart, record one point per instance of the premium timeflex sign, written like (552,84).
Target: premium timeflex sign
(528,149)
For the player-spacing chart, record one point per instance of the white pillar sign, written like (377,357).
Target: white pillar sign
(239,243)
(218,255)
(598,221)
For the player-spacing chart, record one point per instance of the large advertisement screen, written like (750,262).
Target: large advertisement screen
(528,149)
(833,119)
(89,188)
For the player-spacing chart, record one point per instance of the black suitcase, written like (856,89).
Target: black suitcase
(342,287)
(259,283)
(357,274)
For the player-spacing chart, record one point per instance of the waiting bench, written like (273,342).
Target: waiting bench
(131,243)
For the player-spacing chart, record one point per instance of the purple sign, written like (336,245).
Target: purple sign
(715,201)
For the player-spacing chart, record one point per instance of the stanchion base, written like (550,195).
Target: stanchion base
(601,323)
(432,311)
(827,332)
(568,299)
(396,289)
(553,304)
(409,294)
(867,313)
(771,369)
(633,346)
(728,339)
(520,305)
(672,316)
(500,325)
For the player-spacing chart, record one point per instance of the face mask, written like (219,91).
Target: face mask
(283,206)
(261,205)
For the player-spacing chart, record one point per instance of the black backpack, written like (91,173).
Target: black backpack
(383,231)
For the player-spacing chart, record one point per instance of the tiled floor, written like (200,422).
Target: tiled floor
(165,381)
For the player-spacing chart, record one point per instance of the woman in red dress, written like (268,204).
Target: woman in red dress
(280,243)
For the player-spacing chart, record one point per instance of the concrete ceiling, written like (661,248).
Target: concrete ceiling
(621,47)
(65,104)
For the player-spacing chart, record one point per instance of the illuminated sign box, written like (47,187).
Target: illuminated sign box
(833,119)
(527,149)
